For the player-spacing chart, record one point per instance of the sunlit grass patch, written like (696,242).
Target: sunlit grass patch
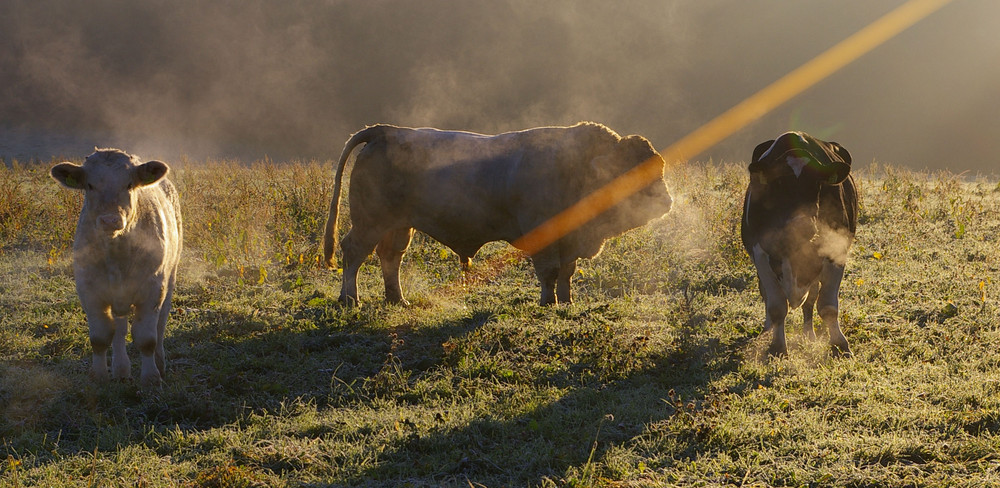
(655,375)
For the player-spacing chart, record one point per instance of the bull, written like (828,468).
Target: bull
(465,189)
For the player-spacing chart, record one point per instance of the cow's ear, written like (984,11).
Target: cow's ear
(599,165)
(149,173)
(841,162)
(837,173)
(69,175)
(758,152)
(637,150)
(756,167)
(841,152)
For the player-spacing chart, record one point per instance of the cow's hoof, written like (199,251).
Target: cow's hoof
(348,301)
(401,302)
(841,351)
(98,376)
(777,351)
(121,371)
(151,383)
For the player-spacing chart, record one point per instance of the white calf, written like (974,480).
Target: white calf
(125,255)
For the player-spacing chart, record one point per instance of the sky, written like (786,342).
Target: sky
(249,79)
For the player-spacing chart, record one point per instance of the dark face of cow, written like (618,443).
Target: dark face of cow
(786,176)
(109,180)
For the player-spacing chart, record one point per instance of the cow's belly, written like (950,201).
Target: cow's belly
(462,211)
(120,290)
(464,234)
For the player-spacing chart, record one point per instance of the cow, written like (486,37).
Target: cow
(800,216)
(466,189)
(125,254)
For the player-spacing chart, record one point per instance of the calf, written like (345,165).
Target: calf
(799,218)
(125,254)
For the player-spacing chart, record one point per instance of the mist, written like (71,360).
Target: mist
(250,79)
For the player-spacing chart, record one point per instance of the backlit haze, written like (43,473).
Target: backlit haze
(293,79)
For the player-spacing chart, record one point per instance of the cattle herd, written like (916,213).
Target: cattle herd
(464,190)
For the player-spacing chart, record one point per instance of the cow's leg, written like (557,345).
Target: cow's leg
(563,280)
(101,328)
(145,335)
(356,246)
(546,265)
(777,310)
(161,327)
(466,262)
(121,367)
(829,307)
(390,254)
(763,294)
(775,302)
(807,312)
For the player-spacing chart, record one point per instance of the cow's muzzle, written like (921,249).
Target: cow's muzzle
(111,224)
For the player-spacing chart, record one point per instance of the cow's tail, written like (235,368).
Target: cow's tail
(330,234)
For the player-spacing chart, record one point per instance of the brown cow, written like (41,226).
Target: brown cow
(465,189)
(125,255)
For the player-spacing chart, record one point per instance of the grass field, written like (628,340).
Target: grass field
(654,377)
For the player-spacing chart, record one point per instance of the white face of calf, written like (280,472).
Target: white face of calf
(109,179)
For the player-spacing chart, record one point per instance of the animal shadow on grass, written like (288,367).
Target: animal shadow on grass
(226,366)
(586,415)
(537,424)
(556,399)
(330,364)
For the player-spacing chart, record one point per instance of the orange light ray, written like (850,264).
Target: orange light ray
(734,119)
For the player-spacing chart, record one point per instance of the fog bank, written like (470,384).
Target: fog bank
(253,78)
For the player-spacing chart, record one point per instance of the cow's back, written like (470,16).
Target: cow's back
(174,225)
(464,188)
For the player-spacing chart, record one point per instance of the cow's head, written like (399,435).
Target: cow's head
(786,176)
(653,199)
(109,179)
